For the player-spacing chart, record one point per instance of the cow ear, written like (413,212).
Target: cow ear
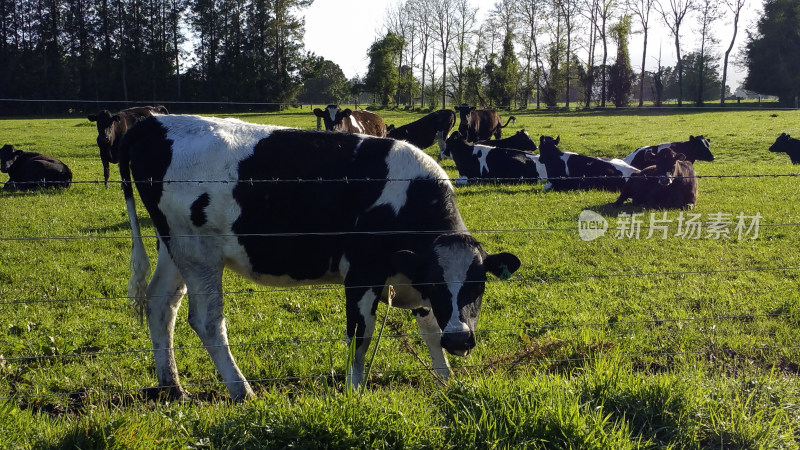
(409,263)
(116,118)
(389,128)
(558,139)
(502,265)
(471,108)
(318,112)
(6,164)
(92,117)
(650,156)
(347,112)
(680,157)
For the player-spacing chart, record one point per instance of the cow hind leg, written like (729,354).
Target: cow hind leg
(206,319)
(432,336)
(164,295)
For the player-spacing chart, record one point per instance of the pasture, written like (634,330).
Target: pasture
(624,341)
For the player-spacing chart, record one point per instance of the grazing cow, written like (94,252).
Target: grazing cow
(695,149)
(424,132)
(504,164)
(568,171)
(480,124)
(789,145)
(398,226)
(348,121)
(112,126)
(521,140)
(670,183)
(30,170)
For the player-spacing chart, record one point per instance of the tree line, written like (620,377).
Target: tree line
(430,53)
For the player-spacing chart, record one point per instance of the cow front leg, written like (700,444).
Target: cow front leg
(432,335)
(206,319)
(164,295)
(361,306)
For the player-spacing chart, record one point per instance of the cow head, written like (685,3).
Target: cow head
(781,144)
(454,143)
(452,279)
(548,146)
(700,149)
(332,116)
(107,131)
(463,112)
(666,164)
(8,154)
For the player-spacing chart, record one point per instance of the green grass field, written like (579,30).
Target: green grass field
(619,342)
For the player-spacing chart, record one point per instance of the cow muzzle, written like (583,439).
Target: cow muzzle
(665,180)
(458,343)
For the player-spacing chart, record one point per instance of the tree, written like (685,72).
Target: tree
(531,12)
(735,7)
(327,84)
(709,13)
(383,76)
(568,10)
(605,10)
(503,78)
(773,53)
(701,72)
(621,75)
(444,29)
(588,75)
(673,17)
(641,8)
(465,20)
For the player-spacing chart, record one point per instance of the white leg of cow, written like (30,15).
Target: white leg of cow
(361,331)
(432,335)
(164,295)
(206,319)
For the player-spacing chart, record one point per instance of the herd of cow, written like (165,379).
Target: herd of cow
(376,215)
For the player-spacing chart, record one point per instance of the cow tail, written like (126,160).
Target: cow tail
(509,120)
(140,264)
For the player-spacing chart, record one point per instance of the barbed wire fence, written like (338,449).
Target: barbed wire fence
(498,364)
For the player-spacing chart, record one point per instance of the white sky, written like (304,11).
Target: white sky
(342,31)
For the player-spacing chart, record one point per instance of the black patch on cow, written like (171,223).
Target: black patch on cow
(150,156)
(198,210)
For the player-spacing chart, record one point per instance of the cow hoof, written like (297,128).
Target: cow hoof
(165,394)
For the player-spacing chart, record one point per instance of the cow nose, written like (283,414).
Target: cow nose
(458,343)
(665,181)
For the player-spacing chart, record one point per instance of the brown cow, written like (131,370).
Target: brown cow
(670,183)
(349,121)
(112,126)
(480,124)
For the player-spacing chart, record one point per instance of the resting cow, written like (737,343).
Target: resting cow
(670,183)
(695,149)
(112,126)
(348,121)
(402,229)
(521,140)
(480,124)
(30,170)
(568,171)
(424,132)
(789,145)
(502,164)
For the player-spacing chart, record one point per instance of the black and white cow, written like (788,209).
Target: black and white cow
(669,183)
(568,171)
(112,126)
(695,149)
(521,140)
(402,228)
(480,124)
(423,132)
(31,170)
(503,164)
(348,121)
(789,145)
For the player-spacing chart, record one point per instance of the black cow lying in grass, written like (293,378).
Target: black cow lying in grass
(30,170)
(568,171)
(670,183)
(789,145)
(697,148)
(498,163)
(422,133)
(521,140)
(112,126)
